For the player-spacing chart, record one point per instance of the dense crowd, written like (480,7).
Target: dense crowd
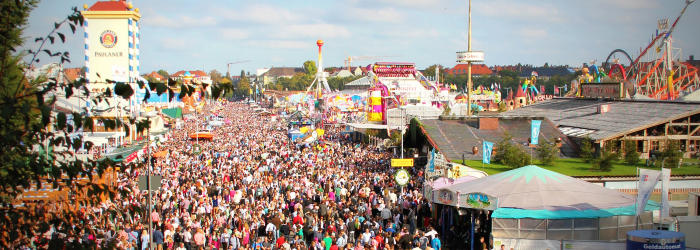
(251,188)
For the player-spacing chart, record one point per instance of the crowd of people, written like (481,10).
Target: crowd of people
(250,187)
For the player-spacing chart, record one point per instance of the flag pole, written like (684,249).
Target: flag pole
(661,212)
(636,215)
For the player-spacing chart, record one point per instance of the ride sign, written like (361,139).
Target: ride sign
(402,162)
(402,177)
(470,56)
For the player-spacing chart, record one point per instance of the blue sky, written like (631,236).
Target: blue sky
(185,34)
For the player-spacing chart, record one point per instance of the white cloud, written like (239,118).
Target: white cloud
(317,30)
(282,44)
(525,11)
(380,15)
(179,22)
(263,14)
(173,43)
(627,4)
(234,34)
(532,34)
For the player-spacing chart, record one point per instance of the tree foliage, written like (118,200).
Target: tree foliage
(510,154)
(244,86)
(606,157)
(37,144)
(547,152)
(163,73)
(586,149)
(310,67)
(631,154)
(671,154)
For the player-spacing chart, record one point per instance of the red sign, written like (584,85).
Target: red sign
(602,90)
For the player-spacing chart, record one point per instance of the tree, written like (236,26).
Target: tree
(36,145)
(430,70)
(586,149)
(215,76)
(310,67)
(671,154)
(606,158)
(244,87)
(631,154)
(163,73)
(547,152)
(509,154)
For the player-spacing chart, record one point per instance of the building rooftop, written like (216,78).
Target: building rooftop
(580,117)
(109,6)
(456,137)
(477,69)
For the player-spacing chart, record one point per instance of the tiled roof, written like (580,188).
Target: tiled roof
(155,75)
(456,137)
(622,117)
(195,73)
(283,71)
(109,6)
(477,69)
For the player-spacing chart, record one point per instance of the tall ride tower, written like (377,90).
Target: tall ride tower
(111,42)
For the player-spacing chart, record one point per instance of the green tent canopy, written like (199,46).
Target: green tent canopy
(173,112)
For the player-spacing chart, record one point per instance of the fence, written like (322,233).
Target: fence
(525,244)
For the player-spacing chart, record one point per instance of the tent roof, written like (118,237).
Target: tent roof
(534,188)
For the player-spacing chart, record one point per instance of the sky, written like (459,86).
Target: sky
(185,34)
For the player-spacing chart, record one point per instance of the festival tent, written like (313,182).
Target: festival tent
(294,134)
(537,203)
(202,135)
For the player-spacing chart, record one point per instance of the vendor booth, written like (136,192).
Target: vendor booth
(538,204)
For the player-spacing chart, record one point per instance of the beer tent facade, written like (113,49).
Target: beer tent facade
(536,203)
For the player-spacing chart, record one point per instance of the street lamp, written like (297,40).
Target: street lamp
(148,116)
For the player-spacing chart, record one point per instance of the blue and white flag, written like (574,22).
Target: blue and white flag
(431,166)
(535,131)
(487,147)
(647,181)
(665,182)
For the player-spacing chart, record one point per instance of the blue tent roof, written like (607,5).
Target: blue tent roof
(534,192)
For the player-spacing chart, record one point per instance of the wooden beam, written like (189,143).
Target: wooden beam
(669,137)
(684,124)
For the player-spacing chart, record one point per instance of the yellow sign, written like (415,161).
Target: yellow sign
(402,162)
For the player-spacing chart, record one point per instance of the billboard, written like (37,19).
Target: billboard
(613,90)
(470,56)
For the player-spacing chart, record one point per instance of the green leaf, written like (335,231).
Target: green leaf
(51,39)
(63,37)
(147,95)
(171,94)
(69,91)
(161,88)
(61,120)
(38,39)
(77,143)
(72,27)
(77,120)
(56,25)
(124,90)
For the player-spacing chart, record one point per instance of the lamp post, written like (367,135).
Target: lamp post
(148,176)
(469,67)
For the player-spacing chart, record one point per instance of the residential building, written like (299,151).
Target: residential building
(271,75)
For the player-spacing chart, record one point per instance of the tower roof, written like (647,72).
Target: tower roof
(109,6)
(520,93)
